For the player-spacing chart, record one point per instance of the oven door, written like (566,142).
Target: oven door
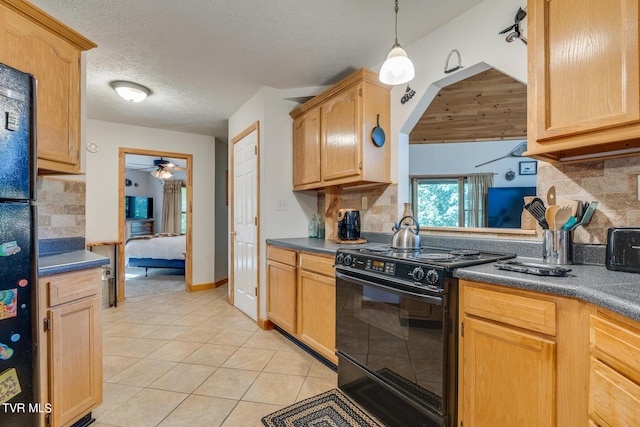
(393,341)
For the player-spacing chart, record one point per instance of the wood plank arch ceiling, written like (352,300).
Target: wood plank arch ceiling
(489,106)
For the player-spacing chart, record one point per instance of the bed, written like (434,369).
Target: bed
(156,251)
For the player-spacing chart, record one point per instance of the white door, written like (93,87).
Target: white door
(245,224)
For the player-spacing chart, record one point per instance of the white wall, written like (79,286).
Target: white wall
(271,108)
(102,184)
(462,158)
(475,35)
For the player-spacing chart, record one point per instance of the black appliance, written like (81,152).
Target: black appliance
(18,249)
(348,224)
(136,207)
(623,249)
(505,204)
(396,331)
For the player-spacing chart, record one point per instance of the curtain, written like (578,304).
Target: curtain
(172,206)
(479,184)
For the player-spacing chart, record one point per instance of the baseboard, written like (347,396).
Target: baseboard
(206,286)
(265,324)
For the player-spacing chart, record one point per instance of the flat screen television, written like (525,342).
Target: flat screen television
(504,205)
(136,207)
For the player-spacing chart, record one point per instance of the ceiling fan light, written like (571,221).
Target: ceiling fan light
(162,173)
(398,68)
(130,91)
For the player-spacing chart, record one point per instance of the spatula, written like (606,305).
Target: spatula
(537,209)
(588,213)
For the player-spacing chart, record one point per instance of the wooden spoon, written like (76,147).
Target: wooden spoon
(551,195)
(550,216)
(562,216)
(573,204)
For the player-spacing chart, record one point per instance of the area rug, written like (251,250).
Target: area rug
(329,409)
(158,281)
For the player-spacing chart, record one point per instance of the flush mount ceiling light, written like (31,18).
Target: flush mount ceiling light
(130,91)
(398,68)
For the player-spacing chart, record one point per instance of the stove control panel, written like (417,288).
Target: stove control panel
(412,272)
(385,267)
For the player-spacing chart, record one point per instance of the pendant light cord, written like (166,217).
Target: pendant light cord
(396,9)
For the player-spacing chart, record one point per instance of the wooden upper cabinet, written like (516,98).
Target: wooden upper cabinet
(306,149)
(34,42)
(583,84)
(332,135)
(340,135)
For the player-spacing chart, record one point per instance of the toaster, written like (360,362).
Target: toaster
(623,249)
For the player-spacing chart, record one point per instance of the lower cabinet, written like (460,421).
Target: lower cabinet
(281,295)
(70,344)
(614,374)
(317,304)
(522,358)
(301,290)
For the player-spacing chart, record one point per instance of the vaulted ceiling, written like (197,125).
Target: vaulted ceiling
(489,106)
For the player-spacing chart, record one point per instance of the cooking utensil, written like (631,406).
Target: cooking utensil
(405,236)
(588,213)
(537,209)
(551,195)
(573,204)
(562,215)
(550,216)
(377,134)
(516,152)
(570,223)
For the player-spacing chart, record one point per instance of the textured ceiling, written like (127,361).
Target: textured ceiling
(203,59)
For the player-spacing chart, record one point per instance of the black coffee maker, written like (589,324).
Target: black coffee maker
(348,224)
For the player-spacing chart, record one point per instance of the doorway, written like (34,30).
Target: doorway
(140,226)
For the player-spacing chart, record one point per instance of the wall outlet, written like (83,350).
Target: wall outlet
(365,203)
(282,205)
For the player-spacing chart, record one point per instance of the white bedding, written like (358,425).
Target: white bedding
(159,247)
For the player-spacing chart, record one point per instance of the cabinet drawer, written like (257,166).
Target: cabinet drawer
(521,311)
(318,264)
(614,400)
(284,256)
(617,344)
(66,287)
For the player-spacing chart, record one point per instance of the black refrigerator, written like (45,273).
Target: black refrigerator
(18,249)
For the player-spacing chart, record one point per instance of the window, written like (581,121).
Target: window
(183,218)
(440,202)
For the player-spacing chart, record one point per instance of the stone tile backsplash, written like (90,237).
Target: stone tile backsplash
(612,183)
(61,208)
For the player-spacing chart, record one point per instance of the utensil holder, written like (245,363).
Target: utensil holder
(557,247)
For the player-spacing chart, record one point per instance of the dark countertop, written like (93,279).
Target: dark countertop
(69,261)
(63,255)
(593,283)
(613,290)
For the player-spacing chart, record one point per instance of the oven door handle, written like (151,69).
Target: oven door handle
(436,300)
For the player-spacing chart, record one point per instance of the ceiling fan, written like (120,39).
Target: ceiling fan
(162,169)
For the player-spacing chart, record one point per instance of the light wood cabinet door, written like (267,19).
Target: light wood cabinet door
(509,376)
(583,88)
(75,360)
(341,135)
(317,312)
(32,44)
(306,150)
(281,295)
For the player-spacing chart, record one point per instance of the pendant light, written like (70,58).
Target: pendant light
(398,68)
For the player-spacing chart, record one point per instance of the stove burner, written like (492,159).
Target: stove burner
(435,257)
(375,249)
(465,253)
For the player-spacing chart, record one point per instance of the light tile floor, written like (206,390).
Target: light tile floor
(191,359)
